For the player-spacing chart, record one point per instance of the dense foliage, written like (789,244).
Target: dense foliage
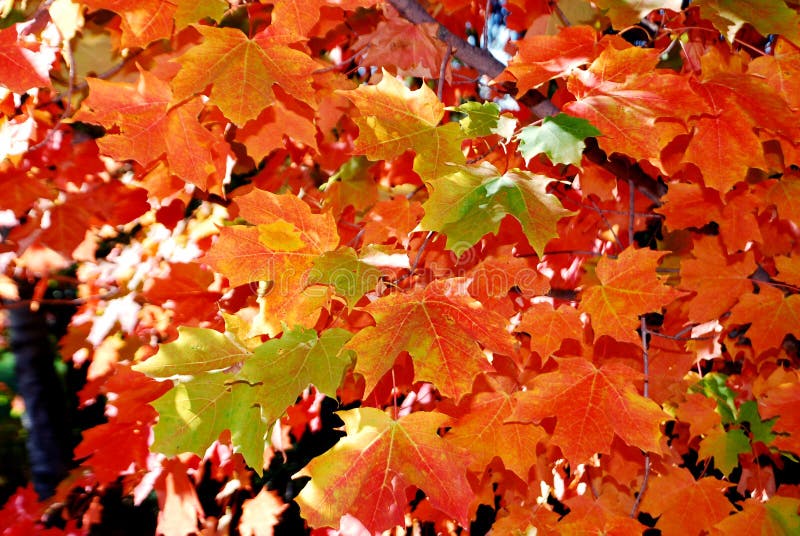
(339,268)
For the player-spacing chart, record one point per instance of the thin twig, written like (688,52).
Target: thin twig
(105,75)
(608,224)
(443,72)
(646,394)
(485,36)
(417,258)
(631,211)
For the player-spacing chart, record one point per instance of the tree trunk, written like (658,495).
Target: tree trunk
(45,405)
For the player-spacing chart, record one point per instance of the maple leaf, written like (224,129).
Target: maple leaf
(25,66)
(591,406)
(142,22)
(196,350)
(775,517)
(392,219)
(771,316)
(784,195)
(393,119)
(724,447)
(281,247)
(266,132)
(482,433)
(242,71)
(724,147)
(681,502)
(623,95)
(629,287)
(367,472)
(245,399)
(351,277)
(768,17)
(298,17)
(549,327)
(414,49)
(543,57)
(440,327)
(559,137)
(690,205)
(261,513)
(470,203)
(779,71)
(480,118)
(717,279)
(149,128)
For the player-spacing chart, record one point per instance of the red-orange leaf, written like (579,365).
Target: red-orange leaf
(242,71)
(717,279)
(440,327)
(149,129)
(548,327)
(366,473)
(24,66)
(622,95)
(543,57)
(686,506)
(143,21)
(591,405)
(629,287)
(771,316)
(481,431)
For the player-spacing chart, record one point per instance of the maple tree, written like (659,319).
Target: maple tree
(335,267)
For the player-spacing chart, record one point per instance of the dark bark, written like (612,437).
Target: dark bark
(48,441)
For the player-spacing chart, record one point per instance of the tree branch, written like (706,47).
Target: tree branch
(483,61)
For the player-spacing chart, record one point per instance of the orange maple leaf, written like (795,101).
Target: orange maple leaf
(481,432)
(280,247)
(771,316)
(591,405)
(717,279)
(440,326)
(629,287)
(683,502)
(149,128)
(242,71)
(622,95)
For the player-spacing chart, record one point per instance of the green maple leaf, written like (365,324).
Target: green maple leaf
(470,203)
(725,448)
(245,400)
(481,118)
(559,137)
(761,430)
(350,277)
(196,350)
(767,16)
(193,414)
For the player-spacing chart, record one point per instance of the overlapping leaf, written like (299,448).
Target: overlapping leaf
(440,326)
(394,119)
(470,203)
(591,405)
(281,247)
(623,95)
(367,472)
(629,287)
(248,395)
(242,71)
(148,127)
